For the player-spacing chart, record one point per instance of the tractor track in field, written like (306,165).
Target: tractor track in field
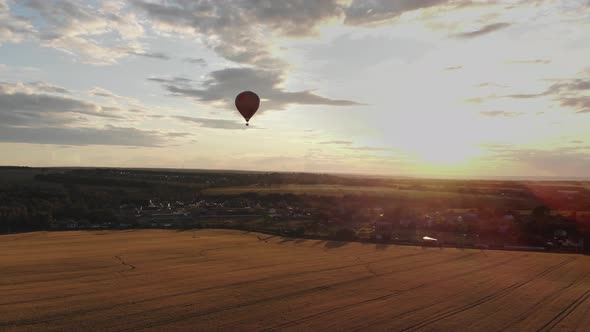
(124,263)
(293,294)
(319,288)
(385,297)
(454,311)
(365,327)
(203,252)
(553,295)
(549,325)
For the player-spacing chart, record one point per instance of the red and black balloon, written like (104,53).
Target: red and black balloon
(247,103)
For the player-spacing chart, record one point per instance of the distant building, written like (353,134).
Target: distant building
(165,219)
(63,224)
(383,230)
(12,211)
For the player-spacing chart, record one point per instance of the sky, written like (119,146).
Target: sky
(435,88)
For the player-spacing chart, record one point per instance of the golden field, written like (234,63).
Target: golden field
(220,279)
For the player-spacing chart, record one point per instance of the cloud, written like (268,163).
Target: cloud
(212,123)
(114,98)
(44,113)
(108,135)
(475,100)
(48,87)
(177,81)
(243,31)
(569,93)
(500,114)
(453,68)
(337,142)
(569,86)
(197,61)
(292,17)
(153,55)
(136,111)
(571,161)
(38,103)
(83,30)
(223,85)
(579,103)
(29,105)
(370,148)
(363,12)
(489,84)
(524,95)
(233,29)
(528,62)
(100,92)
(13,29)
(482,31)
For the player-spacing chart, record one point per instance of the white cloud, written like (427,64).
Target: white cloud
(86,31)
(13,29)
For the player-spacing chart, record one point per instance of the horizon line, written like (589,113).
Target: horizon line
(547,178)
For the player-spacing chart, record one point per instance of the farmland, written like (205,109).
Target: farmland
(384,192)
(222,279)
(329,190)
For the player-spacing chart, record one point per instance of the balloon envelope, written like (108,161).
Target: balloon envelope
(247,104)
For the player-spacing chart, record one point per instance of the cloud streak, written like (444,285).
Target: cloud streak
(529,62)
(212,123)
(485,30)
(223,85)
(361,12)
(152,55)
(24,106)
(337,142)
(108,135)
(500,114)
(451,68)
(44,113)
(572,94)
(196,61)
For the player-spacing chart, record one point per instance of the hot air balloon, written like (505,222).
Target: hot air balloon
(247,103)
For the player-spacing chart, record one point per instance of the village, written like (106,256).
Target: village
(481,228)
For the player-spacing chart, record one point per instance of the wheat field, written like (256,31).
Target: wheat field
(221,279)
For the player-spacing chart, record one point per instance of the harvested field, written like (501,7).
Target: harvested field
(339,190)
(215,279)
(452,199)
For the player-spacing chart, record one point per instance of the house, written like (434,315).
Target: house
(12,211)
(163,219)
(383,230)
(64,224)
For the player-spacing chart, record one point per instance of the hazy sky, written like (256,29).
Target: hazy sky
(406,87)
